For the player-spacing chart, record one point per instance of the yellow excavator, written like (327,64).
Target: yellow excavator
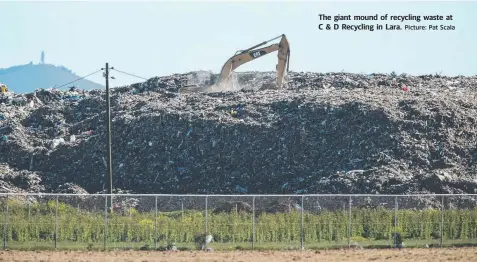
(224,81)
(3,88)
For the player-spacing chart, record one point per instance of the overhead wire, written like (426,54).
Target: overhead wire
(126,73)
(97,71)
(80,78)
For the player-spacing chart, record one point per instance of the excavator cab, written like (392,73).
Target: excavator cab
(241,57)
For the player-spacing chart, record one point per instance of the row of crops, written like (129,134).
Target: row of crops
(41,222)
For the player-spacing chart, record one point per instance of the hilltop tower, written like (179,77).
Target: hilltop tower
(42,60)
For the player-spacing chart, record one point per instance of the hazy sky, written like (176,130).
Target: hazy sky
(161,38)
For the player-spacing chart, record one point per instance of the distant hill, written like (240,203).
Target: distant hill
(27,78)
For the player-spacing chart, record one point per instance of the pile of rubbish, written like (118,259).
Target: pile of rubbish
(324,133)
(17,181)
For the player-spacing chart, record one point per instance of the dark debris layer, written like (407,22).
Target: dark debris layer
(326,133)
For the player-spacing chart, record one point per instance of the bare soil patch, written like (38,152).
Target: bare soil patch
(434,255)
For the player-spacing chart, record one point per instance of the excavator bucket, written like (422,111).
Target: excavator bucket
(244,56)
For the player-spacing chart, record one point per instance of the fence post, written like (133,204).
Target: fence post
(395,220)
(155,226)
(302,234)
(182,208)
(349,223)
(56,221)
(5,226)
(106,221)
(442,221)
(253,222)
(206,216)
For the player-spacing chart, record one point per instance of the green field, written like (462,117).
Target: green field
(34,227)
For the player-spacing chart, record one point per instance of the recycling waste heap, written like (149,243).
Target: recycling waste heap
(325,133)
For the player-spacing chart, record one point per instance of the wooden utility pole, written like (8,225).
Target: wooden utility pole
(108,121)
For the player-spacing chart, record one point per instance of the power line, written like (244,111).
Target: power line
(80,78)
(129,74)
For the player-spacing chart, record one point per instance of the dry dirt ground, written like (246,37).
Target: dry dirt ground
(434,255)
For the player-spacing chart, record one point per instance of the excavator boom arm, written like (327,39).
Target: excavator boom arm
(242,58)
(247,55)
(250,54)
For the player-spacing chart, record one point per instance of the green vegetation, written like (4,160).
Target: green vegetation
(35,226)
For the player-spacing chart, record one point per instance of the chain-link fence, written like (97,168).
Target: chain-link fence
(67,221)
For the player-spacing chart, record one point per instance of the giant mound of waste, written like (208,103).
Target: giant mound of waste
(325,133)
